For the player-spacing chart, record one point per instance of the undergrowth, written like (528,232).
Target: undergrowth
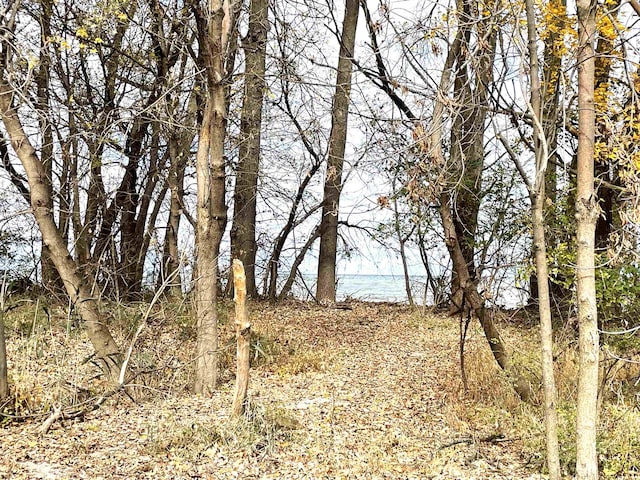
(50,358)
(50,365)
(492,407)
(255,433)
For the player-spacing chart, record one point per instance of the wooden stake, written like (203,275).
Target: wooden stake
(243,337)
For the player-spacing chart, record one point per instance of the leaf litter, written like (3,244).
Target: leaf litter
(367,393)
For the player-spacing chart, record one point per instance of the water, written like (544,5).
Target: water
(391,288)
(370,288)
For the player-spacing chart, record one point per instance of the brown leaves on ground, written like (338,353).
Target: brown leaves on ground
(369,393)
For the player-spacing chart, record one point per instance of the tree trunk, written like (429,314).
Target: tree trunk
(127,201)
(207,267)
(243,232)
(467,132)
(586,216)
(75,285)
(402,240)
(243,338)
(550,91)
(475,301)
(215,29)
(50,278)
(538,200)
(4,382)
(546,336)
(170,258)
(326,287)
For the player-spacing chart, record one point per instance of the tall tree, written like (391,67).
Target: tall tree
(326,287)
(587,211)
(243,232)
(216,24)
(429,146)
(50,277)
(472,80)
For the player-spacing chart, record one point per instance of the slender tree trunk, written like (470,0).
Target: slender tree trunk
(171,260)
(538,200)
(293,273)
(4,382)
(243,232)
(128,200)
(75,284)
(50,278)
(326,287)
(554,43)
(586,216)
(546,336)
(402,240)
(475,301)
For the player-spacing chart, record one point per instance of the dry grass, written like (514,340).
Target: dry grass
(369,393)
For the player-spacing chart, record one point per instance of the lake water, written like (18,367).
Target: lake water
(371,288)
(390,288)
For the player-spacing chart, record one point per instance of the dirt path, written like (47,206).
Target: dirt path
(361,394)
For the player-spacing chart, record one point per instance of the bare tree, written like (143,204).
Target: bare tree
(538,199)
(243,232)
(216,25)
(326,287)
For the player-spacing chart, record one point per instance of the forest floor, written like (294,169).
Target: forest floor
(368,393)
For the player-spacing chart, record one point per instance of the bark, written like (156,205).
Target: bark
(215,28)
(546,335)
(76,286)
(50,278)
(243,232)
(471,83)
(586,216)
(127,202)
(538,200)
(171,261)
(326,287)
(207,267)
(243,338)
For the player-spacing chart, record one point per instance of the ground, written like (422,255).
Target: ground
(368,393)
